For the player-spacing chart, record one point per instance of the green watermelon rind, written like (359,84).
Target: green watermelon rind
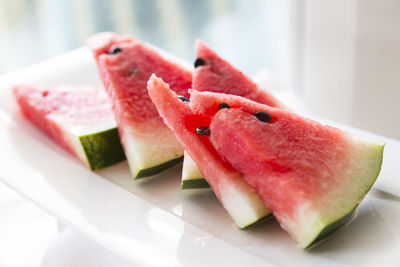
(256,222)
(334,225)
(151,153)
(332,228)
(102,149)
(196,183)
(191,175)
(145,156)
(157,169)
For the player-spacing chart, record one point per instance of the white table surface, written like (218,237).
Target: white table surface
(136,223)
(31,238)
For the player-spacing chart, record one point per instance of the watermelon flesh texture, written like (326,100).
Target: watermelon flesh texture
(79,119)
(236,196)
(150,146)
(218,75)
(309,175)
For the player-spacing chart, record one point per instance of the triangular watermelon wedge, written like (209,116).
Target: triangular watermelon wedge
(125,66)
(214,74)
(310,176)
(244,206)
(78,118)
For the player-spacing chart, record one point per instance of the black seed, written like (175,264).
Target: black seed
(184,99)
(199,62)
(223,105)
(115,49)
(202,130)
(262,116)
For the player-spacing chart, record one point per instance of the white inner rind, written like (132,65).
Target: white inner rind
(154,145)
(190,171)
(355,181)
(242,204)
(72,130)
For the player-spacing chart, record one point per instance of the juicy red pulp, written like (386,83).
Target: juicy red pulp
(284,156)
(125,65)
(212,73)
(195,120)
(47,108)
(135,73)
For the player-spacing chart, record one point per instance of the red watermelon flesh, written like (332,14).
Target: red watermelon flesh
(237,198)
(125,66)
(214,74)
(78,118)
(309,175)
(218,75)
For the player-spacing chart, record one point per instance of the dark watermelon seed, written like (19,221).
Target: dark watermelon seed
(202,130)
(115,49)
(262,116)
(184,99)
(223,105)
(199,62)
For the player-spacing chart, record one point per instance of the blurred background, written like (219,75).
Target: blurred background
(253,33)
(341,58)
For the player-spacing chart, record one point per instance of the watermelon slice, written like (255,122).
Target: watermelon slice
(214,74)
(244,206)
(125,66)
(310,176)
(78,118)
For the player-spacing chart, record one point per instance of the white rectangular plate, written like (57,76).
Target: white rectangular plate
(152,222)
